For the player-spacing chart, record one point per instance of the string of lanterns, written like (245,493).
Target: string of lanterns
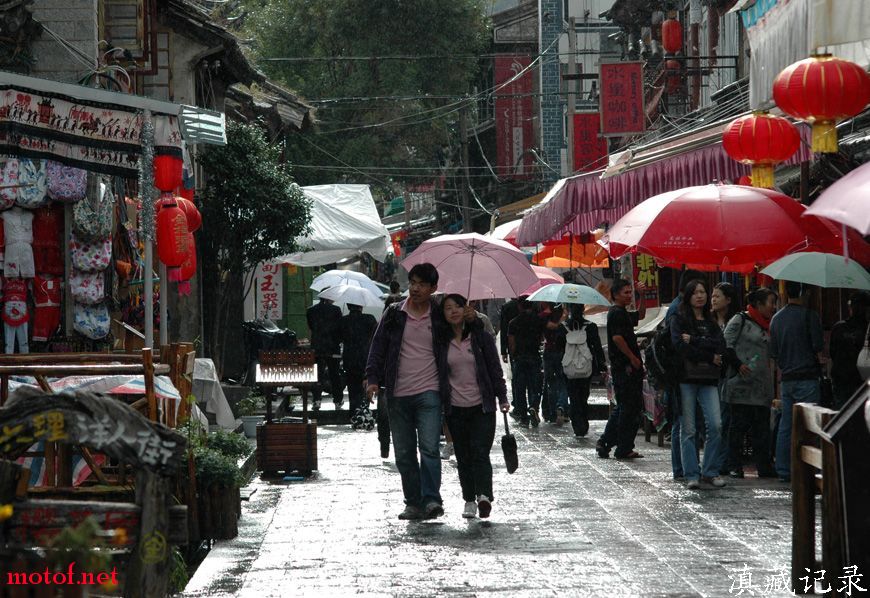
(177,219)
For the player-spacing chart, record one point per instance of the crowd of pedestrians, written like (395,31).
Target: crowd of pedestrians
(736,368)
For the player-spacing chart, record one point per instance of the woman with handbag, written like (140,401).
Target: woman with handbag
(748,386)
(475,383)
(698,340)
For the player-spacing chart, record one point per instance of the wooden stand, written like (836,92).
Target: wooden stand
(283,446)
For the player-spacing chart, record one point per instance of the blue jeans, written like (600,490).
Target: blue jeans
(415,421)
(707,397)
(671,399)
(791,392)
(554,376)
(527,381)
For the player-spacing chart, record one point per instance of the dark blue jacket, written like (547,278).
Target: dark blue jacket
(383,363)
(490,378)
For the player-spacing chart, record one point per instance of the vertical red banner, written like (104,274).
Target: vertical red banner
(590,148)
(646,278)
(513,115)
(622,110)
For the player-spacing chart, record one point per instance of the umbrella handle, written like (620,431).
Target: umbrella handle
(506,427)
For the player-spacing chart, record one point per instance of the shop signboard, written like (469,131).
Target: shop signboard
(622,110)
(270,291)
(513,115)
(590,148)
(646,279)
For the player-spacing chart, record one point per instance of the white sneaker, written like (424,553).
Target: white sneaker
(446,451)
(693,484)
(715,481)
(470,511)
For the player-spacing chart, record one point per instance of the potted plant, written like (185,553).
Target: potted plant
(249,410)
(218,480)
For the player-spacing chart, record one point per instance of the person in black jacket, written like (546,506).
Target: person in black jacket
(698,340)
(357,330)
(323,321)
(476,384)
(847,340)
(578,388)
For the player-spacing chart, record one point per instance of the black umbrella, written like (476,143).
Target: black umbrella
(509,447)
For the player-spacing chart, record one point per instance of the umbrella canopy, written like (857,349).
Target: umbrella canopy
(507,232)
(569,293)
(724,227)
(820,269)
(345,294)
(545,277)
(334,278)
(475,266)
(847,201)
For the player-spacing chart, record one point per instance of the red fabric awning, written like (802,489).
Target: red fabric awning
(580,203)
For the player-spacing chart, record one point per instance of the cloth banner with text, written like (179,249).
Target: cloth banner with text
(270,291)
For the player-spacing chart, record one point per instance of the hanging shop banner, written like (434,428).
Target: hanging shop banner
(99,138)
(646,279)
(590,148)
(513,115)
(270,291)
(621,99)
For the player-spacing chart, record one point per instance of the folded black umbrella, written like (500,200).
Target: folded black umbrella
(509,448)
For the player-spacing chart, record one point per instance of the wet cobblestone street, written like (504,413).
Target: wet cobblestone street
(567,523)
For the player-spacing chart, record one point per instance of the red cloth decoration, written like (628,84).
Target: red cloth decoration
(672,36)
(167,172)
(673,79)
(821,90)
(762,140)
(172,234)
(758,318)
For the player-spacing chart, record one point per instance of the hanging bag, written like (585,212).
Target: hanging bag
(92,321)
(8,183)
(88,288)
(863,362)
(90,256)
(31,177)
(65,183)
(92,217)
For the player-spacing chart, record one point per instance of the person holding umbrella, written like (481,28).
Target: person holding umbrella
(475,382)
(403,358)
(578,388)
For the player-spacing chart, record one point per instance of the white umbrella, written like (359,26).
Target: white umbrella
(334,278)
(351,295)
(826,270)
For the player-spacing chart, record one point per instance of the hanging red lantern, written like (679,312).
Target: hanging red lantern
(673,78)
(172,240)
(191,212)
(821,90)
(186,193)
(672,36)
(187,270)
(761,140)
(167,172)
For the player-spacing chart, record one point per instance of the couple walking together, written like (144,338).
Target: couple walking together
(436,360)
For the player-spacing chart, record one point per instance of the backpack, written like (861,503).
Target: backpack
(661,359)
(577,361)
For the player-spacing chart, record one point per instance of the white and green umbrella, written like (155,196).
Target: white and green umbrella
(826,270)
(569,293)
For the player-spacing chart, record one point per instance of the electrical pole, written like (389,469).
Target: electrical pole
(572,86)
(463,137)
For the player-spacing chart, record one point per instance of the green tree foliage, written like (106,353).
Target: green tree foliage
(373,132)
(253,212)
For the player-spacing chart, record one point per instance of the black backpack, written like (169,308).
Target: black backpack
(661,360)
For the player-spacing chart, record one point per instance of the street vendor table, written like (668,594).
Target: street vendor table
(286,446)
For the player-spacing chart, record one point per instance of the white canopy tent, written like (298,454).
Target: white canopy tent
(344,223)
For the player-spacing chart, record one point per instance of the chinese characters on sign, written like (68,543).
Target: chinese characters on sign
(646,279)
(590,148)
(270,291)
(622,111)
(513,115)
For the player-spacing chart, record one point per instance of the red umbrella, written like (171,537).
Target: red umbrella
(724,227)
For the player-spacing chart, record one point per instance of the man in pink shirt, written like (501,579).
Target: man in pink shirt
(403,359)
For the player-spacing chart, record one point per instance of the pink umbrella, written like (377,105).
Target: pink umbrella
(847,201)
(507,232)
(475,266)
(545,277)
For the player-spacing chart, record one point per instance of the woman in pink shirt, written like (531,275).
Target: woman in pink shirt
(475,382)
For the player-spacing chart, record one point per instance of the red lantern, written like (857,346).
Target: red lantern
(187,270)
(191,212)
(673,80)
(672,36)
(172,239)
(761,140)
(167,172)
(821,90)
(186,193)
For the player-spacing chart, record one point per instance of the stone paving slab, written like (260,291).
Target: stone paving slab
(567,523)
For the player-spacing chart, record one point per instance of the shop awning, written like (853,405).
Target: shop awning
(581,203)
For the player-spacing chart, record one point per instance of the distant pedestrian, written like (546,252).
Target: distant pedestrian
(476,381)
(626,371)
(525,334)
(796,344)
(724,305)
(403,359)
(847,340)
(748,388)
(555,394)
(484,319)
(323,325)
(508,312)
(578,387)
(395,294)
(698,340)
(357,329)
